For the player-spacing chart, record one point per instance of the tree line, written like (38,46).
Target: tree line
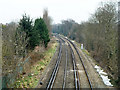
(18,39)
(37,33)
(98,34)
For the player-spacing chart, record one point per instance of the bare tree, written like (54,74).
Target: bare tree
(13,47)
(48,21)
(20,43)
(8,38)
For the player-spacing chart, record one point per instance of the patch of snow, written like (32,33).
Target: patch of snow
(103,75)
(96,66)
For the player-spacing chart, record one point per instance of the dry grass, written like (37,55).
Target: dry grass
(39,61)
(36,56)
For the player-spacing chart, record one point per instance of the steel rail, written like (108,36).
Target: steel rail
(76,77)
(65,72)
(81,62)
(77,83)
(54,73)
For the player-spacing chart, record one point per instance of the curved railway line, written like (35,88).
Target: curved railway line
(81,62)
(53,77)
(75,69)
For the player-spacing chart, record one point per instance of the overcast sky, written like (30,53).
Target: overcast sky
(78,10)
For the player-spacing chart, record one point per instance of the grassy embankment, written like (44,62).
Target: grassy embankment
(30,80)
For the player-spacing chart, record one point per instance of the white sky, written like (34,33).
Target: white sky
(78,10)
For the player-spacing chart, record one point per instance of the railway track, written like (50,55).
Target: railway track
(65,72)
(76,77)
(75,68)
(81,62)
(55,70)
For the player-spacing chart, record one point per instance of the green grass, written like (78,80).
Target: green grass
(86,52)
(31,80)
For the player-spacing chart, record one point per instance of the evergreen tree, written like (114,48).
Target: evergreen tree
(34,38)
(42,31)
(37,34)
(25,25)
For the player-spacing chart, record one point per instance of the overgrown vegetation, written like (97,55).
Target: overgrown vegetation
(41,34)
(98,34)
(30,79)
(19,39)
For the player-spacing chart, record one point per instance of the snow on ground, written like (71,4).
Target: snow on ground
(103,75)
